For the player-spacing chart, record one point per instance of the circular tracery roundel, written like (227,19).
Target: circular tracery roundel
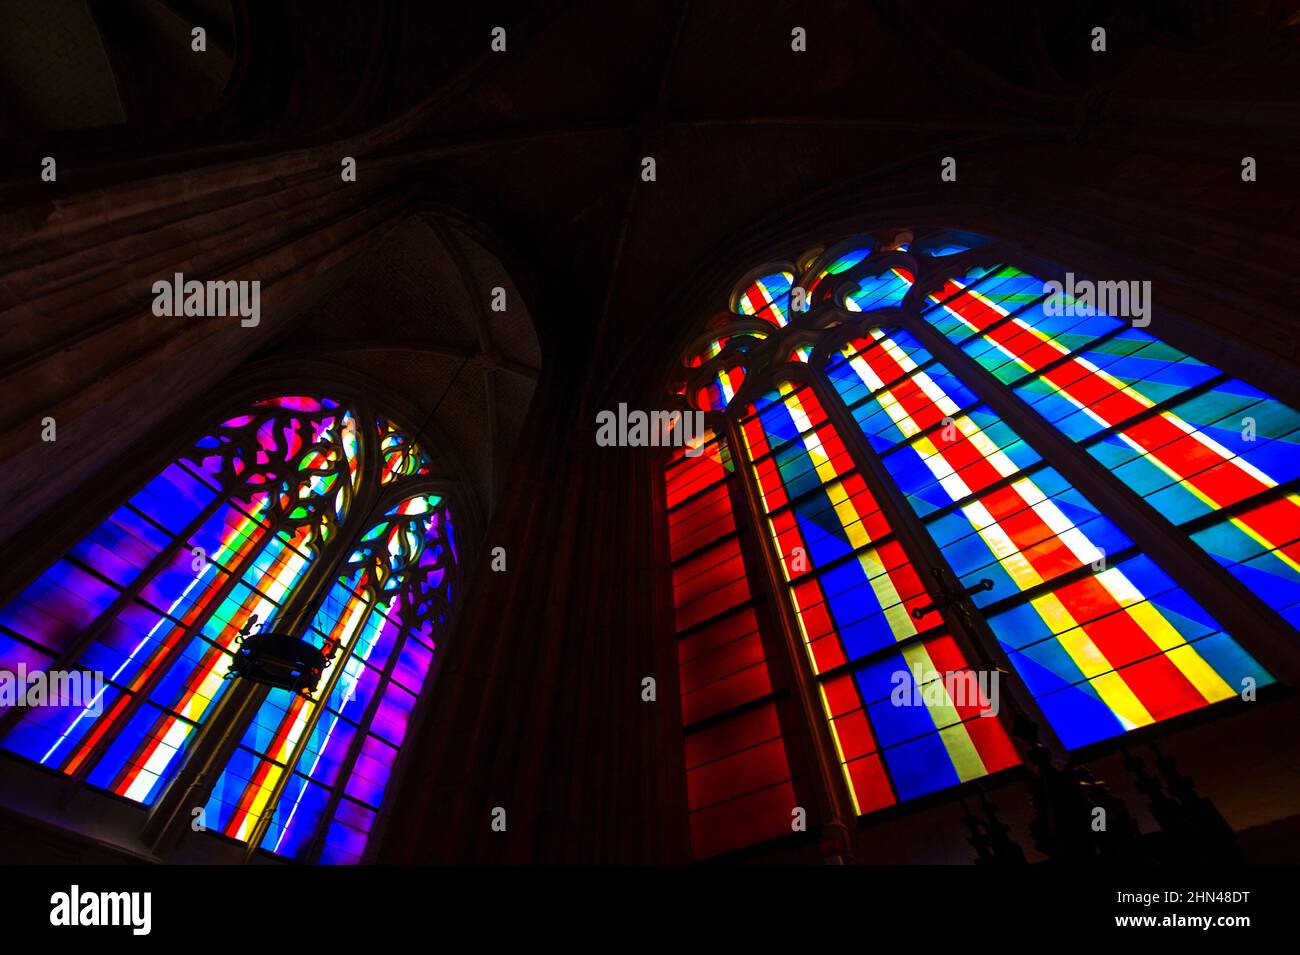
(780,311)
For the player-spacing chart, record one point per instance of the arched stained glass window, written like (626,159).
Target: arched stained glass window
(888,508)
(318,519)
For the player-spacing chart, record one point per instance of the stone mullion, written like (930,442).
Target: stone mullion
(1255,625)
(322,696)
(977,641)
(316,844)
(221,732)
(207,757)
(836,807)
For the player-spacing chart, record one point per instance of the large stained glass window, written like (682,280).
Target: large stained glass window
(894,426)
(298,514)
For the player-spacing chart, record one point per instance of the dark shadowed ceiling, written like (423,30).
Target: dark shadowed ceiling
(522,169)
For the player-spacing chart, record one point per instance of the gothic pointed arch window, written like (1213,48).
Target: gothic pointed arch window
(297,514)
(921,469)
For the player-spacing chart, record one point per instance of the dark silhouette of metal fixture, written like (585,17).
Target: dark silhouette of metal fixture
(278,659)
(950,598)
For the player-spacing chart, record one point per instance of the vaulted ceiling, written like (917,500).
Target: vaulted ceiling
(522,169)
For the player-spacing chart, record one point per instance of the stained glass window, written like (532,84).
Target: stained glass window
(869,492)
(1203,449)
(740,779)
(310,516)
